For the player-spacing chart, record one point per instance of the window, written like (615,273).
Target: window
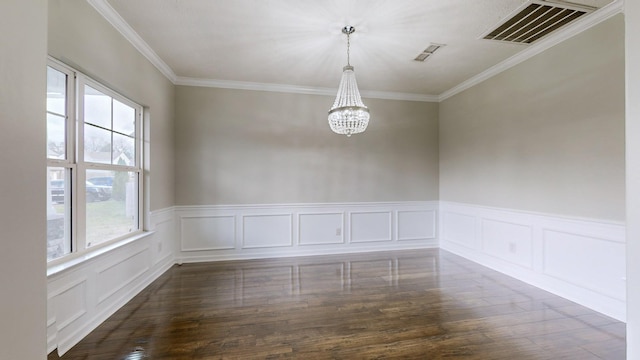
(60,165)
(94,163)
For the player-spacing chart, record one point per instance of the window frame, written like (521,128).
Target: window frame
(78,167)
(69,161)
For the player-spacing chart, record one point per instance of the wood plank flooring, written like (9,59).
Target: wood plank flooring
(425,304)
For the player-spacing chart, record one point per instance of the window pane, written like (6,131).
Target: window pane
(58,212)
(56,129)
(56,91)
(123,150)
(112,205)
(97,108)
(124,118)
(97,145)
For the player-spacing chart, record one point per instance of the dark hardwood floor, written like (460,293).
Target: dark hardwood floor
(425,304)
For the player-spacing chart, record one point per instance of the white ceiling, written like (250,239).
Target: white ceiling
(299,42)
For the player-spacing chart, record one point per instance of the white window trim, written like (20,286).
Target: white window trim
(69,162)
(74,161)
(82,81)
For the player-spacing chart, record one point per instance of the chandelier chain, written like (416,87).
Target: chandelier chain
(348,48)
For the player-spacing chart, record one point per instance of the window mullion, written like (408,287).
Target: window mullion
(71,119)
(72,157)
(99,166)
(59,162)
(139,128)
(80,205)
(60,234)
(80,177)
(111,133)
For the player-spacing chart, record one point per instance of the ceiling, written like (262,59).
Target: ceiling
(299,43)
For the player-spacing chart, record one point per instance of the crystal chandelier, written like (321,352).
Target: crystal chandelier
(348,115)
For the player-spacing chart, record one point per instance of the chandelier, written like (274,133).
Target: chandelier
(348,115)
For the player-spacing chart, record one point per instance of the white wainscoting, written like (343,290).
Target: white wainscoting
(582,260)
(211,233)
(82,296)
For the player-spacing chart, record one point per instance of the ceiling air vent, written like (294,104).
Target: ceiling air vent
(424,55)
(535,19)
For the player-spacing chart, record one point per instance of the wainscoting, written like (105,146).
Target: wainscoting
(81,297)
(211,233)
(582,260)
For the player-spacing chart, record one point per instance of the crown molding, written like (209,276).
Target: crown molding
(388,95)
(571,30)
(112,16)
(598,16)
(244,85)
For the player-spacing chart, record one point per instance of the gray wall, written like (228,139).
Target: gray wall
(546,135)
(254,147)
(632,42)
(82,38)
(23,51)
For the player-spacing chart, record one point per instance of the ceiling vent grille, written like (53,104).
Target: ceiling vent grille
(424,55)
(534,20)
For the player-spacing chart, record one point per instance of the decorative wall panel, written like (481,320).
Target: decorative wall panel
(416,225)
(208,232)
(370,226)
(263,231)
(316,229)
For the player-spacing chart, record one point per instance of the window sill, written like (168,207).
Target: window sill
(73,260)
